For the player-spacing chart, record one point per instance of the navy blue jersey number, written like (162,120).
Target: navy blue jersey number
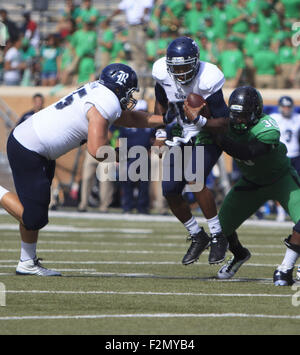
(69,99)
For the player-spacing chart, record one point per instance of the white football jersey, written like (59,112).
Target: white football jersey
(208,80)
(62,126)
(289,132)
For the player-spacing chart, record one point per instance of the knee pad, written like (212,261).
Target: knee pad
(172,187)
(35,221)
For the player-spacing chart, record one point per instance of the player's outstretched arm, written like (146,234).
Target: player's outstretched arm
(196,115)
(97,131)
(139,119)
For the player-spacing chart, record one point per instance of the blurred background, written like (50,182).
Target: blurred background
(50,47)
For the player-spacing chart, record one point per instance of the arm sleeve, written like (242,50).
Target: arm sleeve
(161,95)
(251,150)
(217,105)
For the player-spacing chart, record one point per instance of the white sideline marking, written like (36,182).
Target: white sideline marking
(168,245)
(73,229)
(122,252)
(148,293)
(154,315)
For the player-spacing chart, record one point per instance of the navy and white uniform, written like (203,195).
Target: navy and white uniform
(34,145)
(290,136)
(208,83)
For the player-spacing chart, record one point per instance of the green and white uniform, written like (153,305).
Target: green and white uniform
(267,177)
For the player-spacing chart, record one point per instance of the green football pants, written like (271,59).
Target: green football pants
(244,199)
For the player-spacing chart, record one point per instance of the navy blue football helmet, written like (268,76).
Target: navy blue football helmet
(123,81)
(286,106)
(245,108)
(183,59)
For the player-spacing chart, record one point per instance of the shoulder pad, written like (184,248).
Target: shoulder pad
(159,70)
(211,78)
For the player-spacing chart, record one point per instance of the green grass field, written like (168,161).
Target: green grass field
(125,277)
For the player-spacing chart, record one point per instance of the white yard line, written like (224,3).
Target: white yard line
(147,293)
(150,218)
(108,262)
(153,315)
(73,229)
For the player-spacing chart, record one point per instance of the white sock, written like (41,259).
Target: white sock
(192,226)
(28,251)
(3,191)
(289,260)
(214,225)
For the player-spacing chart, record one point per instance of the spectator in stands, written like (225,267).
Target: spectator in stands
(66,63)
(106,43)
(12,28)
(268,19)
(29,55)
(220,19)
(253,42)
(38,102)
(266,66)
(287,61)
(136,137)
(87,14)
(85,43)
(291,9)
(71,11)
(30,30)
(237,14)
(206,51)
(232,63)
(49,60)
(194,19)
(137,16)
(118,52)
(13,63)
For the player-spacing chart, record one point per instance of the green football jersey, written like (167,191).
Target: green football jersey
(269,167)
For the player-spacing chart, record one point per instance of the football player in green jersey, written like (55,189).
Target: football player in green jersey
(253,141)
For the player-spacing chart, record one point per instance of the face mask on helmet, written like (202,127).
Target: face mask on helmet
(128,102)
(241,121)
(182,70)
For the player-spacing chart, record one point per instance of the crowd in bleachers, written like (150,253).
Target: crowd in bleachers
(253,41)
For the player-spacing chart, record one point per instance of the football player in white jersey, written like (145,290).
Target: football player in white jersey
(83,116)
(177,75)
(289,124)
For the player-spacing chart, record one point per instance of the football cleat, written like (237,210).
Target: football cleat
(232,266)
(283,277)
(200,242)
(34,267)
(218,248)
(298,274)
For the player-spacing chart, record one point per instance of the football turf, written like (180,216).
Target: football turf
(125,276)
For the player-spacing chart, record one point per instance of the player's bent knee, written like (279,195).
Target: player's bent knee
(35,222)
